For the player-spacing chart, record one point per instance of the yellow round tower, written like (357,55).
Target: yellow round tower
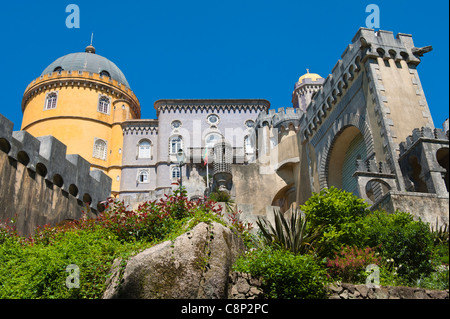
(82,99)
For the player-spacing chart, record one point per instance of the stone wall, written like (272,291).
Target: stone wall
(350,291)
(254,188)
(244,286)
(427,207)
(40,184)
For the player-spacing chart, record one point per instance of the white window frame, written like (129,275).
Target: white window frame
(53,101)
(174,168)
(143,176)
(98,153)
(143,152)
(178,145)
(101,105)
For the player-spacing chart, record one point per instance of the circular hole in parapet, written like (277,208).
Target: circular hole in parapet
(22,157)
(41,169)
(4,145)
(87,199)
(73,190)
(58,180)
(101,207)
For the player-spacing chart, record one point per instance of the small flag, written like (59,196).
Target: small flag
(205,156)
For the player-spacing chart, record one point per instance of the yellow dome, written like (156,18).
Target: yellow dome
(312,76)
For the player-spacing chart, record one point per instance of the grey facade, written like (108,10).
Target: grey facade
(200,124)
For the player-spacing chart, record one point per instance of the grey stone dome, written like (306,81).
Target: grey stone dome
(87,61)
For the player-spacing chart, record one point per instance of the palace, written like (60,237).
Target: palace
(365,128)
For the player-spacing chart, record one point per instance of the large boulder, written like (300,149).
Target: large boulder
(194,265)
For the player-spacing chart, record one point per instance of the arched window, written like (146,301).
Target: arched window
(100,148)
(105,73)
(144,149)
(212,139)
(143,177)
(175,172)
(50,100)
(103,104)
(176,143)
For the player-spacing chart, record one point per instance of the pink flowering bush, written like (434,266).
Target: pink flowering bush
(152,221)
(349,263)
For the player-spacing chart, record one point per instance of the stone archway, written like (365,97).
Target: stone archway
(340,126)
(348,147)
(285,197)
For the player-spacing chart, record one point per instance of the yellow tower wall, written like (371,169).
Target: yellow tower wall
(76,120)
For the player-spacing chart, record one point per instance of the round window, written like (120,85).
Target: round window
(213,119)
(249,123)
(176,124)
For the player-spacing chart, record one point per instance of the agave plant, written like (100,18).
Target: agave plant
(291,235)
(440,233)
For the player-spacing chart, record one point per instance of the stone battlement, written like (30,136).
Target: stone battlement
(46,156)
(80,79)
(371,166)
(282,117)
(423,133)
(366,44)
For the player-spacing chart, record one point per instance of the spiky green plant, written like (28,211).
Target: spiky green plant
(289,234)
(440,234)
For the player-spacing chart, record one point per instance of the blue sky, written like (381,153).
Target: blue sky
(213,49)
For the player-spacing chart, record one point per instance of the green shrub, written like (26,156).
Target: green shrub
(38,270)
(340,214)
(438,279)
(408,242)
(35,267)
(285,275)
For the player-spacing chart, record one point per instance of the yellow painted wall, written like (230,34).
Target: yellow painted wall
(76,121)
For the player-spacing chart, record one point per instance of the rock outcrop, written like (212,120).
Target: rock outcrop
(195,265)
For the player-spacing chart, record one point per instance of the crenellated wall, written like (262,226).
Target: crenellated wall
(40,183)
